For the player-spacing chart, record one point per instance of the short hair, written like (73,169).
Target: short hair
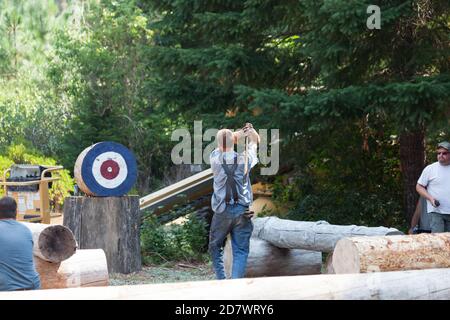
(225,139)
(8,208)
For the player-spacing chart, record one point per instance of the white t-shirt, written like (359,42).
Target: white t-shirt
(436,178)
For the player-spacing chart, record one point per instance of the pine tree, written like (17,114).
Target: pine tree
(307,63)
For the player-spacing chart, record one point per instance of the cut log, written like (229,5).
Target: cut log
(430,284)
(316,236)
(108,223)
(86,268)
(390,253)
(266,260)
(53,243)
(329,264)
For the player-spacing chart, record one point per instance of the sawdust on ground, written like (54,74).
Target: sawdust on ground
(178,272)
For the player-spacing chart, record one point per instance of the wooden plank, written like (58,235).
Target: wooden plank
(183,191)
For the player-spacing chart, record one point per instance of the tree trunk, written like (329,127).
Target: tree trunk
(315,236)
(266,260)
(108,223)
(412,162)
(392,253)
(86,268)
(429,284)
(53,243)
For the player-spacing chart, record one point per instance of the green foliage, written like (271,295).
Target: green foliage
(103,72)
(352,177)
(304,66)
(161,243)
(133,71)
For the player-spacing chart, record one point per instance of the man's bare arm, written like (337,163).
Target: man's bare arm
(424,193)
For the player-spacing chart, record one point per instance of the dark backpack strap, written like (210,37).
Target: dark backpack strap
(231,187)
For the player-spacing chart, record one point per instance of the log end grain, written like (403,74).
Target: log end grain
(345,257)
(57,243)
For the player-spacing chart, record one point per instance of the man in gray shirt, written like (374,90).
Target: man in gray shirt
(231,199)
(17,270)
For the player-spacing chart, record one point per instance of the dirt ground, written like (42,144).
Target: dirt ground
(174,272)
(177,272)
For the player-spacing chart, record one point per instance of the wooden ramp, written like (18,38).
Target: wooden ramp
(186,190)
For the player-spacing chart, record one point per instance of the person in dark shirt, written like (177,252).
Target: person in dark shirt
(17,269)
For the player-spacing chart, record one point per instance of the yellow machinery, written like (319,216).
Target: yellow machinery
(29,185)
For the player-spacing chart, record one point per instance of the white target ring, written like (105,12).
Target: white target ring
(109,169)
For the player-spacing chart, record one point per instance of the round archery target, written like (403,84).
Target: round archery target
(106,169)
(109,170)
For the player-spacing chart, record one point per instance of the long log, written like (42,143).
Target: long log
(266,260)
(53,243)
(86,268)
(316,236)
(430,284)
(390,253)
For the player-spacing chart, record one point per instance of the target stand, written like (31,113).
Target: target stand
(106,217)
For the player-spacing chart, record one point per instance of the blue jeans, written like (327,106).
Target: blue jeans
(231,221)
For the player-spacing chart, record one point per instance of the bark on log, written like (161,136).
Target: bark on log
(390,253)
(86,268)
(429,284)
(108,223)
(266,260)
(316,236)
(53,243)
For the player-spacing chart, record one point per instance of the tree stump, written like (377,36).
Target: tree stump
(108,223)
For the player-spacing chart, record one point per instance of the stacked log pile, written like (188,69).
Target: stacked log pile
(60,264)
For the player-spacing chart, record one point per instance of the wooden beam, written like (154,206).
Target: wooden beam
(404,285)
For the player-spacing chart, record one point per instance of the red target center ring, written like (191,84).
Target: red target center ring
(109,169)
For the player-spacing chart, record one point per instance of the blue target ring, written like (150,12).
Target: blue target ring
(109,169)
